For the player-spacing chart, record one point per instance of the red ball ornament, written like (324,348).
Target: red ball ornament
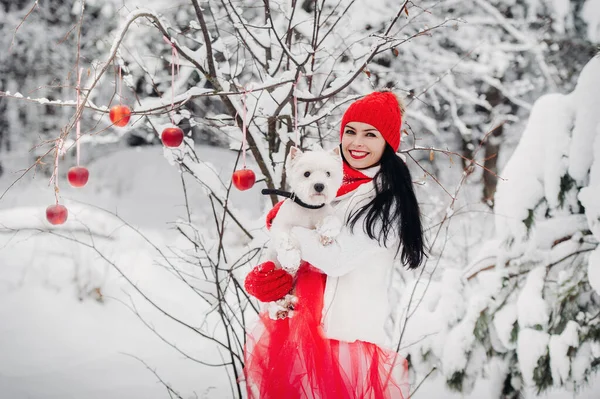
(57,214)
(78,176)
(120,115)
(243,179)
(172,137)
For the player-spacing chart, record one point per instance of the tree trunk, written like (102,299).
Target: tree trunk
(490,179)
(492,148)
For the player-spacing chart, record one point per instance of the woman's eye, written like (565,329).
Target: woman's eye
(328,174)
(306,174)
(349,132)
(371,135)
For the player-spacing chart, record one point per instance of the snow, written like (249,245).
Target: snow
(540,153)
(587,97)
(593,270)
(532,309)
(460,338)
(531,345)
(547,232)
(504,321)
(452,286)
(57,338)
(581,363)
(589,195)
(590,13)
(549,257)
(558,347)
(125,25)
(561,10)
(56,345)
(47,291)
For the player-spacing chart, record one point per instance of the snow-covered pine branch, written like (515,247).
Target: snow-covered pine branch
(536,325)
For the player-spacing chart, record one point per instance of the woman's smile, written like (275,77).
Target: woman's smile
(362,145)
(358,154)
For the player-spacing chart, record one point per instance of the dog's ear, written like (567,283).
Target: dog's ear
(336,151)
(294,152)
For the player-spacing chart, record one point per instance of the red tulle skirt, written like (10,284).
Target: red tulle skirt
(292,359)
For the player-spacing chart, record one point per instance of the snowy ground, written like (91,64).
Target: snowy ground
(57,340)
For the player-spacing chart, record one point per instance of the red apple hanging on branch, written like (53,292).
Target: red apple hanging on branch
(120,115)
(243,179)
(172,137)
(78,176)
(57,214)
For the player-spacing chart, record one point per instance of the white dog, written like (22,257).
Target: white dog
(314,178)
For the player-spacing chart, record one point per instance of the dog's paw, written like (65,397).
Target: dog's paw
(276,311)
(288,254)
(329,228)
(290,259)
(325,240)
(282,308)
(290,301)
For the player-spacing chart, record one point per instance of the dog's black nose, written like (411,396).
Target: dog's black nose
(319,187)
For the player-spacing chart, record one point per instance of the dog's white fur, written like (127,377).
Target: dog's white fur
(306,172)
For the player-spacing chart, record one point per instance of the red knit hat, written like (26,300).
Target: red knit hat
(381,110)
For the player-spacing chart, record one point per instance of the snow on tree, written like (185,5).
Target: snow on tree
(532,319)
(38,60)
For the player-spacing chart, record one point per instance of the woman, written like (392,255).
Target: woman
(335,345)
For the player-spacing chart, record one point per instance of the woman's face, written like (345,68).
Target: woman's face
(362,145)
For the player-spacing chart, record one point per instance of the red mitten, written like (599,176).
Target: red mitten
(267,283)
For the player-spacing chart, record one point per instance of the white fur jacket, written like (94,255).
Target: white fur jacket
(356,303)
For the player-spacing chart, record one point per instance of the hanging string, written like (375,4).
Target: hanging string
(57,148)
(120,85)
(174,60)
(296,110)
(78,123)
(244,127)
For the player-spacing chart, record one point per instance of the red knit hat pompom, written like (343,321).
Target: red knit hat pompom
(380,109)
(267,283)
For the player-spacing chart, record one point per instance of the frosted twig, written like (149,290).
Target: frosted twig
(247,45)
(445,218)
(470,97)
(144,295)
(439,77)
(336,21)
(169,389)
(521,37)
(179,101)
(421,383)
(135,311)
(35,4)
(432,176)
(285,48)
(9,230)
(335,90)
(497,84)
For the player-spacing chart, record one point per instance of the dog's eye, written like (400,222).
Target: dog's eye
(306,174)
(328,174)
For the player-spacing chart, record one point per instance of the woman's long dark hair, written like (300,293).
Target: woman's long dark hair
(394,209)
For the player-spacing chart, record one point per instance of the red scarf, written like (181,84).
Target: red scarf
(352,179)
